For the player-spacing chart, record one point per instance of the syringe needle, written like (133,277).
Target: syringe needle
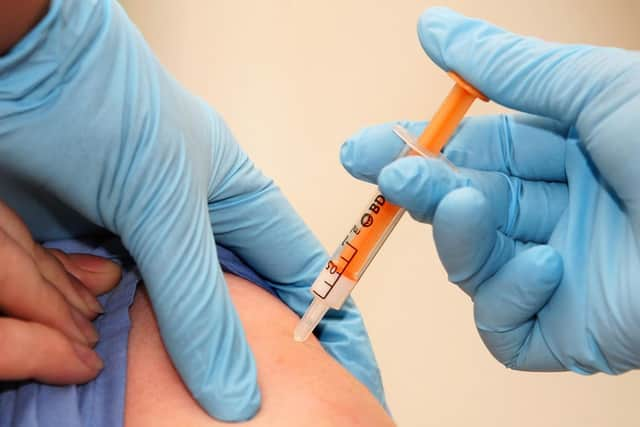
(310,320)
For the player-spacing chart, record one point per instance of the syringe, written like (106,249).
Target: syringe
(365,238)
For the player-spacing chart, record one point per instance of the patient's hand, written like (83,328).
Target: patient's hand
(301,384)
(46,302)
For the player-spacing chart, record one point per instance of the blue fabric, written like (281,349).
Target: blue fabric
(99,403)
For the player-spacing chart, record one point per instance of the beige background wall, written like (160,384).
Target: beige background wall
(294,79)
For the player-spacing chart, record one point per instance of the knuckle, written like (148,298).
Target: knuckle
(50,266)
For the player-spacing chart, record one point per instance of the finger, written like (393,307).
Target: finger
(31,350)
(528,147)
(419,184)
(528,211)
(563,82)
(467,240)
(524,146)
(372,148)
(251,217)
(25,294)
(198,322)
(52,271)
(523,210)
(73,291)
(505,308)
(172,243)
(99,275)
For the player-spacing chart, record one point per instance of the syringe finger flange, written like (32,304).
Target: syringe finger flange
(414,148)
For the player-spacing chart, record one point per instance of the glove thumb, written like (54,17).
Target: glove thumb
(174,248)
(594,89)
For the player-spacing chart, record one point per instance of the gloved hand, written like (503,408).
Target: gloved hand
(89,118)
(541,223)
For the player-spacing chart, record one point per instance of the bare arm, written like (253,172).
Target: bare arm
(17,18)
(301,384)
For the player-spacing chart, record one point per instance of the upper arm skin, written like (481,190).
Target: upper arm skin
(301,384)
(17,18)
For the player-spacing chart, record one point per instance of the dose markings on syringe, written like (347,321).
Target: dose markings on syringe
(364,238)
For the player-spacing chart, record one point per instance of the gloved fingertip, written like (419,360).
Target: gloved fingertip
(464,232)
(432,31)
(239,403)
(348,158)
(419,184)
(459,204)
(369,150)
(549,264)
(216,361)
(397,177)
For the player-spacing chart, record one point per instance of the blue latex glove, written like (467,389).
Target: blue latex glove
(89,119)
(541,224)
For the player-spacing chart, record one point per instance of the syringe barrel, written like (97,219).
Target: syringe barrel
(356,251)
(379,217)
(366,237)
